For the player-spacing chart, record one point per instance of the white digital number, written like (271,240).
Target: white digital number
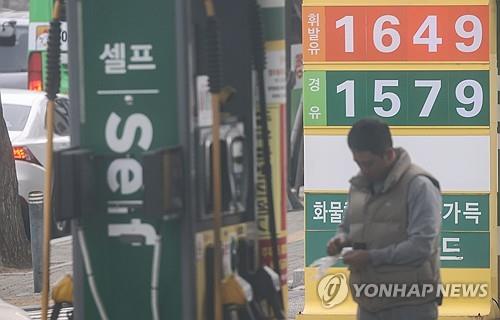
(348,87)
(379,33)
(432,41)
(435,86)
(380,96)
(348,23)
(476,33)
(476,99)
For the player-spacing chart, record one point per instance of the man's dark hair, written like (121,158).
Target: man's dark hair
(371,135)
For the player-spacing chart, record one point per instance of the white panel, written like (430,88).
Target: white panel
(328,163)
(460,163)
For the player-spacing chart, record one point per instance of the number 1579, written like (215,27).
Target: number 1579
(387,103)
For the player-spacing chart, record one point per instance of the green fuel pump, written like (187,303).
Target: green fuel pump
(138,182)
(127,219)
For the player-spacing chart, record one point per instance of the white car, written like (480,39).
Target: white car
(24,113)
(10,312)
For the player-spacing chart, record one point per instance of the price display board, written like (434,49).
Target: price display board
(396,33)
(428,69)
(416,98)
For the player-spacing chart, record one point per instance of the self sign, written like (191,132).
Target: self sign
(399,33)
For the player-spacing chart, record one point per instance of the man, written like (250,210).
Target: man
(393,223)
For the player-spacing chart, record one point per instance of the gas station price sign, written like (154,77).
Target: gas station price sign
(426,69)
(396,33)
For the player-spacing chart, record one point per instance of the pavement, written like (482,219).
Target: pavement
(16,286)
(295,241)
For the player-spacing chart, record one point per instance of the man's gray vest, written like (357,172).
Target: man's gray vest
(379,220)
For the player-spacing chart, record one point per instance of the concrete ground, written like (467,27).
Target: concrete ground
(16,286)
(295,224)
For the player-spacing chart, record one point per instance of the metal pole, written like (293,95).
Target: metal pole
(47,207)
(52,87)
(215,86)
(35,200)
(217,187)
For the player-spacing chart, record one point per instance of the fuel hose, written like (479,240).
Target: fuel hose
(259,62)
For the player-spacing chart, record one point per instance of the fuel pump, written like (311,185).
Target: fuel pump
(238,68)
(221,68)
(162,200)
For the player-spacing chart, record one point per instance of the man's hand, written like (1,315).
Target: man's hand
(357,259)
(334,246)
